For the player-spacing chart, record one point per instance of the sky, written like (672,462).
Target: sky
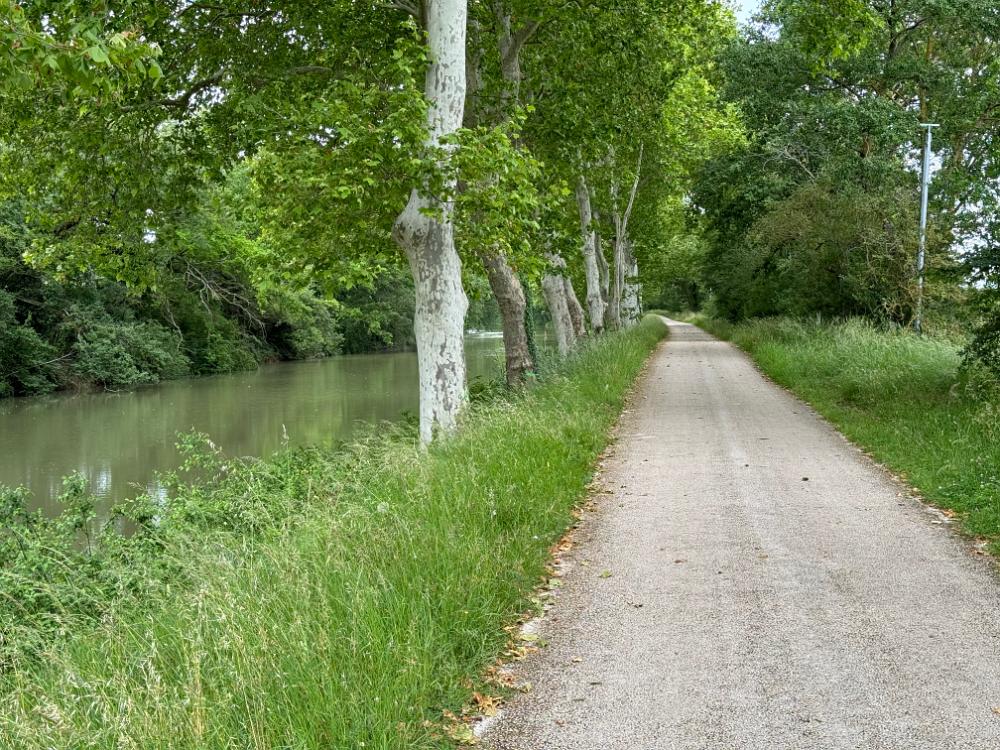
(745,9)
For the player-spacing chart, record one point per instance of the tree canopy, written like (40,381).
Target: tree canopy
(234,150)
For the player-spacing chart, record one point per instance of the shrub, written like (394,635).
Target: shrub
(27,362)
(119,355)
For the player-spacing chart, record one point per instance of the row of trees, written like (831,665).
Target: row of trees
(541,145)
(816,211)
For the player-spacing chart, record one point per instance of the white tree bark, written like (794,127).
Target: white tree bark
(617,271)
(592,271)
(554,289)
(429,240)
(602,262)
(576,313)
(631,309)
(622,248)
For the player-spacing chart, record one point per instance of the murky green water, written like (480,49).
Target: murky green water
(118,440)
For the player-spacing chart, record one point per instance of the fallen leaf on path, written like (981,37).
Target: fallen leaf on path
(498,676)
(487,705)
(518,653)
(461,733)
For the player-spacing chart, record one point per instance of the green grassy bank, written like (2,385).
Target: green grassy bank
(320,599)
(904,398)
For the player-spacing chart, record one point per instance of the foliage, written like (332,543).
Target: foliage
(983,265)
(816,212)
(204,316)
(672,276)
(117,355)
(241,610)
(69,46)
(26,360)
(607,87)
(835,253)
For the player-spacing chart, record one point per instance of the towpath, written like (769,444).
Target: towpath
(753,582)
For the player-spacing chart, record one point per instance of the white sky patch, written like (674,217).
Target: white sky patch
(745,9)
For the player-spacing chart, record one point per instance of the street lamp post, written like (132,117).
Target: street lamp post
(925,179)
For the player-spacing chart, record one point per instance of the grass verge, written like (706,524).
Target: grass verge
(902,397)
(354,613)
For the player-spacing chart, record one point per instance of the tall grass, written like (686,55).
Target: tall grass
(355,620)
(903,397)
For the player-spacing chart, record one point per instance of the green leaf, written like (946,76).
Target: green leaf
(98,55)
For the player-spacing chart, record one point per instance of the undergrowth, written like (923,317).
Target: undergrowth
(319,599)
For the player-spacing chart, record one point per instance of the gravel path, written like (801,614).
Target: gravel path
(753,581)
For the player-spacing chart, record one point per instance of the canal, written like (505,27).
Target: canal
(118,441)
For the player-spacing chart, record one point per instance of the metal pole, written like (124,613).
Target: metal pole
(925,179)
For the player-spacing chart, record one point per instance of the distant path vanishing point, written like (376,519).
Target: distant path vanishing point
(752,581)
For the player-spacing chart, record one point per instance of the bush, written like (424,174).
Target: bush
(117,355)
(27,362)
(309,327)
(983,351)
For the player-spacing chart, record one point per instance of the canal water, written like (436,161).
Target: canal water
(117,441)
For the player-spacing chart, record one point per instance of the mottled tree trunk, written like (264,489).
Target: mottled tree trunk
(426,233)
(617,284)
(554,289)
(504,281)
(592,272)
(602,263)
(510,299)
(622,251)
(617,271)
(631,309)
(576,313)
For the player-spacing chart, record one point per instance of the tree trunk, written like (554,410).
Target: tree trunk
(510,298)
(617,284)
(631,299)
(602,263)
(575,309)
(504,282)
(623,253)
(425,231)
(617,266)
(595,302)
(554,289)
(509,294)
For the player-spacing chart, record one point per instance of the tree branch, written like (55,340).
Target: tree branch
(410,7)
(635,189)
(518,39)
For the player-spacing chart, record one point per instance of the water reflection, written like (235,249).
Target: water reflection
(117,441)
